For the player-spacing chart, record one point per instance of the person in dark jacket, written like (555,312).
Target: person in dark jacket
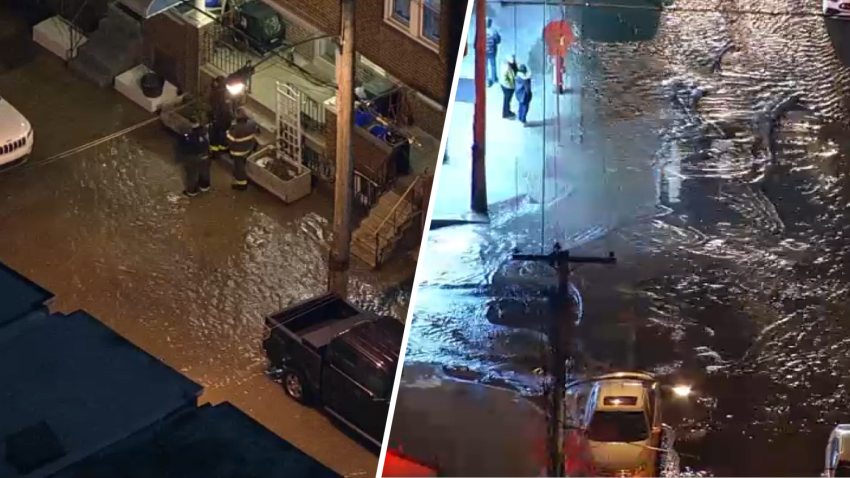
(196,154)
(221,116)
(242,141)
(494,39)
(523,92)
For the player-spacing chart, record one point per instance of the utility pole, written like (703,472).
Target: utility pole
(479,168)
(561,331)
(341,244)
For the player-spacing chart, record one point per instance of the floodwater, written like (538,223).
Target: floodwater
(733,268)
(190,281)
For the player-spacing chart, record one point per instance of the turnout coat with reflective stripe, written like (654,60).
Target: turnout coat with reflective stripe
(242,137)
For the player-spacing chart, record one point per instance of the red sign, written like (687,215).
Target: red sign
(559,37)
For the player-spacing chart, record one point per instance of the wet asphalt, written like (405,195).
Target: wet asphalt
(190,281)
(732,271)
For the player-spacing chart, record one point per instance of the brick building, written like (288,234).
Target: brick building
(415,42)
(406,56)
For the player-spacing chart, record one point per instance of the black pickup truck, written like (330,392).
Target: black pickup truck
(334,355)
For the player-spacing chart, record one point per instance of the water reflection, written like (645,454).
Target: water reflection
(731,233)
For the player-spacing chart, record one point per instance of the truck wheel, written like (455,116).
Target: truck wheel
(293,384)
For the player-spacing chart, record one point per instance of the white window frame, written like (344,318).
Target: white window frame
(417,23)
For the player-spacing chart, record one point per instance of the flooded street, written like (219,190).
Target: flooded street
(189,281)
(732,253)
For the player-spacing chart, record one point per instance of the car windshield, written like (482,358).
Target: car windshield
(622,427)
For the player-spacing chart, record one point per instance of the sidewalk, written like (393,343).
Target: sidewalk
(597,174)
(515,154)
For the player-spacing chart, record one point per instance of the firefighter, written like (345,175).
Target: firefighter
(222,116)
(197,157)
(242,141)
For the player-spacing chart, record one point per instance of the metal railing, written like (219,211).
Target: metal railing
(366,191)
(313,116)
(219,50)
(320,165)
(393,218)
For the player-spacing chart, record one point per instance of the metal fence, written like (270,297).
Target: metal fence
(218,49)
(312,112)
(322,167)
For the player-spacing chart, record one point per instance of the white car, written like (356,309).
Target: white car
(16,135)
(838,452)
(837,9)
(619,417)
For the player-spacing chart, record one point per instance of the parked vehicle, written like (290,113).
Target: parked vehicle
(16,135)
(619,417)
(338,357)
(838,452)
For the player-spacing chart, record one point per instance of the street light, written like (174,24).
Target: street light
(681,391)
(237,83)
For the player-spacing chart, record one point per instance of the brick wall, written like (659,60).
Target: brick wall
(403,57)
(369,159)
(171,49)
(426,116)
(299,30)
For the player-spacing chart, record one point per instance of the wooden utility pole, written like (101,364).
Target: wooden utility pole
(341,245)
(479,169)
(561,332)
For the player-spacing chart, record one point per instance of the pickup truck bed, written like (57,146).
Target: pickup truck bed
(315,322)
(322,334)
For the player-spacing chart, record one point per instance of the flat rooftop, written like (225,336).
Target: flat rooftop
(19,295)
(209,442)
(70,386)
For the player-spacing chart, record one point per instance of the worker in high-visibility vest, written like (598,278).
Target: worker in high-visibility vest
(242,141)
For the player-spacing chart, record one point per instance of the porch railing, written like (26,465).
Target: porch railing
(218,48)
(312,112)
(395,219)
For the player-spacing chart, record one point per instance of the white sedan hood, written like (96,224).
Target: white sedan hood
(13,125)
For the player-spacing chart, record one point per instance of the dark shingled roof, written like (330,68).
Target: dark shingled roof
(209,442)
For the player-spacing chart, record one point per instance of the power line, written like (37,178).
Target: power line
(519,3)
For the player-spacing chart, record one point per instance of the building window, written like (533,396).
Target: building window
(431,20)
(418,18)
(401,10)
(328,50)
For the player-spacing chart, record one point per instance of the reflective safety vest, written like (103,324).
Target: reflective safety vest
(242,137)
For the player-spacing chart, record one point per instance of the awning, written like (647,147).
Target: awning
(149,8)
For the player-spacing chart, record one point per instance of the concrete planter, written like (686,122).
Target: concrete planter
(59,37)
(297,184)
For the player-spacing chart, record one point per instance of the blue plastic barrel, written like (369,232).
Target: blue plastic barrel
(380,131)
(363,119)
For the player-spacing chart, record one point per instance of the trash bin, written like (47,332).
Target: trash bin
(152,85)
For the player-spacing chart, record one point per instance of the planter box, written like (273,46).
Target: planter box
(54,34)
(173,118)
(288,190)
(128,84)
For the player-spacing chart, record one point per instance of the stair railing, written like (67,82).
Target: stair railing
(394,216)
